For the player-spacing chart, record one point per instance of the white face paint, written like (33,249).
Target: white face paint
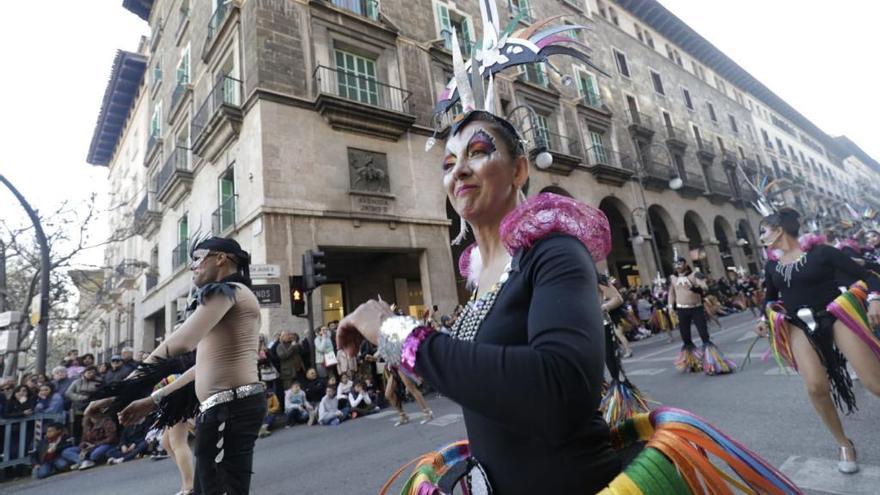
(770,235)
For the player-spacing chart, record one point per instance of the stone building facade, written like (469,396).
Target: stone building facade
(301,124)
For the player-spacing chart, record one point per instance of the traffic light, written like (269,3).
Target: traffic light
(313,269)
(297,297)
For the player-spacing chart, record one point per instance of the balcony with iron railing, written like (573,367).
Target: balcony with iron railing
(692,183)
(151,279)
(223,217)
(523,12)
(640,124)
(179,255)
(362,104)
(154,145)
(729,158)
(175,177)
(218,120)
(676,137)
(125,273)
(705,150)
(363,8)
(182,92)
(609,167)
(719,190)
(147,216)
(218,25)
(566,151)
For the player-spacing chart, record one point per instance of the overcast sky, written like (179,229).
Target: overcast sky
(819,56)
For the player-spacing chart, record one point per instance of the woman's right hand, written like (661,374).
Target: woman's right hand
(762,329)
(98,407)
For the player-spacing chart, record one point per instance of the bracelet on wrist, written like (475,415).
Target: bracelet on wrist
(157,396)
(874,296)
(399,340)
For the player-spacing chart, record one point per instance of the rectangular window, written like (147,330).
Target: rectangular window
(451,20)
(791,151)
(622,66)
(697,136)
(183,70)
(542,130)
(639,34)
(602,10)
(720,85)
(733,126)
(156,121)
(536,74)
(712,112)
(648,39)
(767,143)
(613,14)
(721,147)
(521,8)
(332,302)
(598,148)
(780,146)
(180,252)
(356,78)
(366,8)
(588,88)
(658,83)
(157,73)
(225,215)
(687,98)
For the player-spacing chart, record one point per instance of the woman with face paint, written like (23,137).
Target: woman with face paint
(814,328)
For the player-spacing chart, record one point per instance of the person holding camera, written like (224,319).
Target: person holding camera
(686,290)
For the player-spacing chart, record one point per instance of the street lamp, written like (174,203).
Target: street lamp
(543,158)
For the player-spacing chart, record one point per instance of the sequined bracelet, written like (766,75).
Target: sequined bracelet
(411,347)
(874,296)
(392,333)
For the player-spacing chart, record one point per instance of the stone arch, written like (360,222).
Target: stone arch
(698,238)
(664,233)
(726,242)
(750,246)
(621,261)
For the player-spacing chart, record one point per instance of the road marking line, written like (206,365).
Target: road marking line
(822,475)
(747,336)
(446,420)
(646,371)
(677,346)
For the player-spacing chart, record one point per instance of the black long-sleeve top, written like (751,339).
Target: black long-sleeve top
(530,383)
(814,283)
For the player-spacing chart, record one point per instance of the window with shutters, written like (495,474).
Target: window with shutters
(712,112)
(356,78)
(183,67)
(733,126)
(156,121)
(622,66)
(536,74)
(450,20)
(521,8)
(588,88)
(598,149)
(225,216)
(542,130)
(687,98)
(365,8)
(657,82)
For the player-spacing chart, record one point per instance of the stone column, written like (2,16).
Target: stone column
(739,256)
(684,249)
(645,260)
(713,259)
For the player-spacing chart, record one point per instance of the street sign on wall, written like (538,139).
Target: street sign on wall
(9,318)
(269,295)
(265,271)
(8,340)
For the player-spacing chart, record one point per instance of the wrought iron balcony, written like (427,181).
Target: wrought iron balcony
(179,255)
(676,137)
(175,177)
(640,124)
(218,119)
(719,191)
(178,96)
(125,272)
(567,153)
(218,24)
(592,99)
(146,216)
(705,150)
(364,8)
(692,183)
(154,144)
(729,158)
(358,103)
(609,167)
(223,217)
(151,280)
(525,11)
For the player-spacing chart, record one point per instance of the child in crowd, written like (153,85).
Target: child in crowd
(360,402)
(55,452)
(273,412)
(296,407)
(99,436)
(132,444)
(328,410)
(344,388)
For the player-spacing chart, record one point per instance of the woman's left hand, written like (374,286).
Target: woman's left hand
(136,411)
(363,323)
(874,313)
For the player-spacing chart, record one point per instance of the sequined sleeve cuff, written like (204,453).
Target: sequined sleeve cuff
(873,296)
(399,340)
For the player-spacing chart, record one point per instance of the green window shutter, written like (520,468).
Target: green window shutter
(445,25)
(598,147)
(182,230)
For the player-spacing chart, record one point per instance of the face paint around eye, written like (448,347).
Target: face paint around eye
(481,141)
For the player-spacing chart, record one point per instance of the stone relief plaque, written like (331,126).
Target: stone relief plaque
(368,172)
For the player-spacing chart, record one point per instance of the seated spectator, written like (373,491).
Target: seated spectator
(103,368)
(79,393)
(128,361)
(55,453)
(314,386)
(360,402)
(343,389)
(328,410)
(99,436)
(273,413)
(48,400)
(296,407)
(32,382)
(345,363)
(132,444)
(117,372)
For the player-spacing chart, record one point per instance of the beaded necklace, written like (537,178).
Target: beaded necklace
(475,311)
(788,269)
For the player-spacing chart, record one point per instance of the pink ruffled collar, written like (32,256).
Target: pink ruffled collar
(539,217)
(807,242)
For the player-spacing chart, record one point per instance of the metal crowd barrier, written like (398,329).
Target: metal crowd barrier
(23,456)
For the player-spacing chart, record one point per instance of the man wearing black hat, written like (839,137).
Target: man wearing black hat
(224,328)
(686,293)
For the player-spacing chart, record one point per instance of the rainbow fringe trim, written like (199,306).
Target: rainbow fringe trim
(689,360)
(622,401)
(714,362)
(675,461)
(850,309)
(780,339)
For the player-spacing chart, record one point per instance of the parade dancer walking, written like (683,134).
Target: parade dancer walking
(814,328)
(686,297)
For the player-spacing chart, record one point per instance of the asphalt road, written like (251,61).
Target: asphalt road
(766,410)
